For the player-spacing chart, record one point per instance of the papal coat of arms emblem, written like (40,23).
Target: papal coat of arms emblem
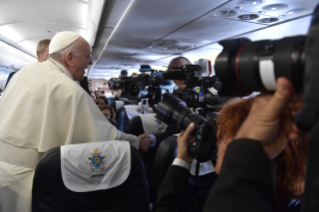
(97,160)
(158,121)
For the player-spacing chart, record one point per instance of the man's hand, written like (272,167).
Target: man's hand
(145,142)
(184,141)
(270,120)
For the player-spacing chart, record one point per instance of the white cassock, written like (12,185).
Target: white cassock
(43,107)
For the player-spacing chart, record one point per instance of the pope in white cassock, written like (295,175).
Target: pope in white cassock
(43,107)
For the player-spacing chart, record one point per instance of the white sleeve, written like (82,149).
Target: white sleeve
(182,163)
(132,139)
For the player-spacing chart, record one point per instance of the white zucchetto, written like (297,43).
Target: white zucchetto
(62,40)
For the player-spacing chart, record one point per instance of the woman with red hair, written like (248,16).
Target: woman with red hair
(291,163)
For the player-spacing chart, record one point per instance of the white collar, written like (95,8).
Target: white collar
(62,68)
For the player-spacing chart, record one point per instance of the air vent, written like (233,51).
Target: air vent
(225,13)
(247,17)
(267,20)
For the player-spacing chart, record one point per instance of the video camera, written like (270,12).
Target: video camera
(197,76)
(114,83)
(145,85)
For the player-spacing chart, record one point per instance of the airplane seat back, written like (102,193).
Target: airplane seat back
(124,114)
(116,104)
(164,158)
(121,119)
(145,123)
(111,100)
(50,194)
(134,126)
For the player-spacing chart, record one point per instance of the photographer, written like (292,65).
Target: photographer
(124,73)
(177,62)
(247,175)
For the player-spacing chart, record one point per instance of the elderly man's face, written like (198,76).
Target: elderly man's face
(82,59)
(44,56)
(176,63)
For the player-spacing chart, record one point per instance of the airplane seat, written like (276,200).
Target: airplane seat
(51,194)
(145,123)
(112,104)
(121,119)
(164,158)
(116,104)
(111,100)
(134,126)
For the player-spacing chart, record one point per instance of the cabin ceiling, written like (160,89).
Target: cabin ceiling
(153,32)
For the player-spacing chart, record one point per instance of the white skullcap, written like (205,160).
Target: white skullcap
(62,40)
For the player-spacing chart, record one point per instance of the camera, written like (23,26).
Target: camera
(198,76)
(146,85)
(113,83)
(172,110)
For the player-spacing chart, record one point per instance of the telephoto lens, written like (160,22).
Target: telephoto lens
(244,66)
(172,110)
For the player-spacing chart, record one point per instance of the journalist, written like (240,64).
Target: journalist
(176,62)
(247,175)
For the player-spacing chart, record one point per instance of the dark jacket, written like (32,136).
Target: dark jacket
(246,182)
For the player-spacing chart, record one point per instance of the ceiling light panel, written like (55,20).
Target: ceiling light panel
(60,11)
(21,25)
(20,33)
(250,3)
(275,8)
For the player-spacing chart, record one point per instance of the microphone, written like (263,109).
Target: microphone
(174,75)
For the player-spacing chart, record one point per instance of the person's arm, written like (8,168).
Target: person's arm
(174,187)
(172,191)
(246,181)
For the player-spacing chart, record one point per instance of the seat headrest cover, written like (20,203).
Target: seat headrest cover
(135,110)
(95,166)
(152,125)
(118,104)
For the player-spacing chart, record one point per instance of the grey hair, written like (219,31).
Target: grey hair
(61,54)
(42,45)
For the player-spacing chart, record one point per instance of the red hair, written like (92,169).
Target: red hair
(291,162)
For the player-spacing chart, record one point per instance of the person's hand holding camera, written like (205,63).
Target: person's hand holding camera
(184,141)
(271,120)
